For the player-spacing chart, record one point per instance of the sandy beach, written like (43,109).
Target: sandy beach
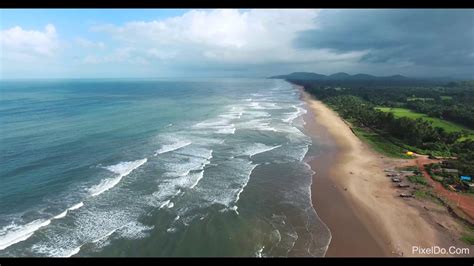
(357,201)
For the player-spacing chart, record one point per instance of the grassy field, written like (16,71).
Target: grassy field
(380,144)
(446,98)
(468,239)
(446,125)
(418,179)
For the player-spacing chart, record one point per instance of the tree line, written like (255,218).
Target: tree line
(358,107)
(452,103)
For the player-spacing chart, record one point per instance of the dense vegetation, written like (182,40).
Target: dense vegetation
(420,124)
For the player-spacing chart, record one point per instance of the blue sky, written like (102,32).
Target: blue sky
(95,43)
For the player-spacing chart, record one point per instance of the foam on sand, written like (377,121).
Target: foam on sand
(121,169)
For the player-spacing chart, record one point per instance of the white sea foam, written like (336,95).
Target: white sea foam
(235,113)
(199,175)
(246,181)
(64,213)
(265,105)
(164,204)
(186,161)
(230,129)
(13,233)
(256,105)
(105,236)
(220,126)
(292,116)
(259,253)
(187,174)
(72,252)
(121,169)
(134,230)
(299,153)
(61,215)
(257,114)
(172,147)
(52,251)
(171,230)
(77,206)
(258,124)
(226,189)
(258,148)
(93,226)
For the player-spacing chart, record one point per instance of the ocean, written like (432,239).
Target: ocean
(165,167)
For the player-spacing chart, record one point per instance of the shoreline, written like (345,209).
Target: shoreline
(329,201)
(356,201)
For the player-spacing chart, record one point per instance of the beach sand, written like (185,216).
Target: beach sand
(355,199)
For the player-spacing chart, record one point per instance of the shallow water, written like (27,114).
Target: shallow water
(155,168)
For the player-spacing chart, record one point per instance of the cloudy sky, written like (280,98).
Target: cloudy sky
(88,43)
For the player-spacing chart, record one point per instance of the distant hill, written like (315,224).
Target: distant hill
(340,75)
(336,76)
(301,76)
(344,79)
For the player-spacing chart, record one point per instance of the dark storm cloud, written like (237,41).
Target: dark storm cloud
(438,38)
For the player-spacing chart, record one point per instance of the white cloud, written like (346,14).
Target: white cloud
(225,36)
(19,43)
(85,43)
(162,54)
(119,55)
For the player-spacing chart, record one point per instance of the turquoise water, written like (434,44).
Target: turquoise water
(155,168)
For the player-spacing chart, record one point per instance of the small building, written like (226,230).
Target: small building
(408,172)
(450,171)
(452,188)
(396,180)
(466,178)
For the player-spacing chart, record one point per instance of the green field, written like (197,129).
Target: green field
(380,144)
(446,125)
(446,97)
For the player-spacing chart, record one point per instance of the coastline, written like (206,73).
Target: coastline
(357,202)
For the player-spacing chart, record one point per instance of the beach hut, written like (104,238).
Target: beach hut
(466,178)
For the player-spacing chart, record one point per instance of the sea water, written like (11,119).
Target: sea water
(204,167)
